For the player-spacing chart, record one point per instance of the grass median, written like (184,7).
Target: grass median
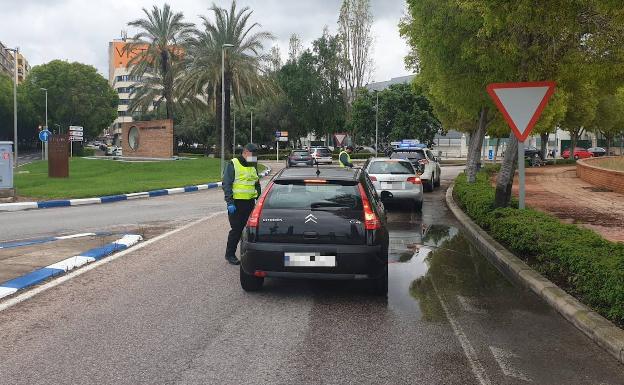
(578,260)
(92,178)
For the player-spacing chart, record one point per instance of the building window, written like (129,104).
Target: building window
(124,102)
(122,113)
(128,78)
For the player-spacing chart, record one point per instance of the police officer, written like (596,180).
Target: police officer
(345,157)
(241,187)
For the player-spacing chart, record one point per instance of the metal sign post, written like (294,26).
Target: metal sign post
(521,105)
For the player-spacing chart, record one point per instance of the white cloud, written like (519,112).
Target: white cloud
(79,30)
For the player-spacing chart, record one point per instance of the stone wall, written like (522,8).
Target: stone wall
(155,139)
(590,171)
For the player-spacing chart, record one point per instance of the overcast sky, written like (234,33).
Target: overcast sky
(79,30)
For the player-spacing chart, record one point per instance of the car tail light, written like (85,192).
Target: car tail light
(260,273)
(371,222)
(254,218)
(414,180)
(373,178)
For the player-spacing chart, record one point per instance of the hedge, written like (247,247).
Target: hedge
(579,260)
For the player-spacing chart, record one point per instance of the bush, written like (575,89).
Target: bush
(579,260)
(83,151)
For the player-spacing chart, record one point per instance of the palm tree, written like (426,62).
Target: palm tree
(161,42)
(244,62)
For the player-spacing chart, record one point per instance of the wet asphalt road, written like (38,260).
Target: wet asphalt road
(173,313)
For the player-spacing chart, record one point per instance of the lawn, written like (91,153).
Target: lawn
(91,178)
(612,163)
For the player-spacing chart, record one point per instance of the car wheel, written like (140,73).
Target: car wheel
(436,182)
(250,282)
(380,285)
(428,185)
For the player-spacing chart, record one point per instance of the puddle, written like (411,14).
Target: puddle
(419,252)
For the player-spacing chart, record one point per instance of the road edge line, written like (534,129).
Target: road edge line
(63,278)
(599,329)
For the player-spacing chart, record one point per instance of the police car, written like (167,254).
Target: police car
(423,160)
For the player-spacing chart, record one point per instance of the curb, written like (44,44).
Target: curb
(10,287)
(19,206)
(599,329)
(38,241)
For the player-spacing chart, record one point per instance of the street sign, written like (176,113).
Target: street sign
(340,138)
(521,103)
(44,135)
(76,128)
(283,139)
(76,133)
(278,134)
(76,138)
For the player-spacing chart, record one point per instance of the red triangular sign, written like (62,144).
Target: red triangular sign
(521,103)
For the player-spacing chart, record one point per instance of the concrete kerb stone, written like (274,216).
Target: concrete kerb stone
(20,206)
(599,329)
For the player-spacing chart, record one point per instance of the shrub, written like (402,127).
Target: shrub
(579,260)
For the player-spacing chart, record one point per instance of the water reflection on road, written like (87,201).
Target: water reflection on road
(421,251)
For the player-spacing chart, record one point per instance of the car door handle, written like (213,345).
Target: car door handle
(310,235)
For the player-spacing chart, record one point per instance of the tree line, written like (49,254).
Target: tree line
(458,47)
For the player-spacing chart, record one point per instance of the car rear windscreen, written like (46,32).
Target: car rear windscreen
(323,152)
(301,153)
(390,167)
(417,155)
(310,196)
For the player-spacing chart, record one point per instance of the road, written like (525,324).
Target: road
(173,312)
(28,157)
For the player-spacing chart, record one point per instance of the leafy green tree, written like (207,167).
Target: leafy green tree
(161,42)
(244,62)
(77,95)
(609,117)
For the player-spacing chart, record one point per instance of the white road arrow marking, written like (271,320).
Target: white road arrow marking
(503,358)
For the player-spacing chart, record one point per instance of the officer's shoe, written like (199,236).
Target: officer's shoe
(232,260)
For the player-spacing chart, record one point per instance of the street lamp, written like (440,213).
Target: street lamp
(251,129)
(44,153)
(223,47)
(15,52)
(376,122)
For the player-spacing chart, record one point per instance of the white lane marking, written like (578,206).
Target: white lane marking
(468,305)
(40,289)
(503,359)
(75,236)
(475,364)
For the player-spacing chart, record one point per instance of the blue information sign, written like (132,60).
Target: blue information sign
(44,135)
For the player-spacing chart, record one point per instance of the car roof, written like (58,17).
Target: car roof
(385,159)
(409,149)
(331,173)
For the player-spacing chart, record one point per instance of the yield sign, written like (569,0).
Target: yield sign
(521,103)
(340,139)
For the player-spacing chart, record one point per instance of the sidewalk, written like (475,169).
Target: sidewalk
(558,191)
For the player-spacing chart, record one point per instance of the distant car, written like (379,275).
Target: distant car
(579,153)
(118,152)
(425,163)
(396,180)
(322,155)
(113,151)
(330,225)
(299,158)
(597,151)
(531,152)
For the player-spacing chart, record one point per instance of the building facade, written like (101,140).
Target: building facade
(23,68)
(121,80)
(7,61)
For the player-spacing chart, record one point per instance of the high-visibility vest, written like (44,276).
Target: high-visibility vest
(245,179)
(340,158)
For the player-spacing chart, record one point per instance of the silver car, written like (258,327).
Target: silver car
(396,180)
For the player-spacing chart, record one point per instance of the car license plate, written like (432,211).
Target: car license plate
(308,260)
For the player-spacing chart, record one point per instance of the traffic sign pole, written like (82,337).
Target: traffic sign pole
(521,192)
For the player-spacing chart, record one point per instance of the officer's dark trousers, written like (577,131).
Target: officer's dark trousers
(238,220)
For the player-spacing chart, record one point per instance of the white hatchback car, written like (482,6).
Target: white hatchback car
(321,155)
(425,163)
(396,180)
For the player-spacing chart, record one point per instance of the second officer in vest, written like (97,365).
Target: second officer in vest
(241,187)
(344,159)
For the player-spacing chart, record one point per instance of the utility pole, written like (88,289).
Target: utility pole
(251,129)
(376,123)
(15,52)
(234,137)
(223,47)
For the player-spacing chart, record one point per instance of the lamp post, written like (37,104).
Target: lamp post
(45,145)
(223,47)
(376,122)
(234,137)
(15,52)
(251,129)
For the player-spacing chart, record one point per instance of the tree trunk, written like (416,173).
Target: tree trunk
(609,138)
(544,145)
(573,140)
(474,150)
(496,149)
(504,182)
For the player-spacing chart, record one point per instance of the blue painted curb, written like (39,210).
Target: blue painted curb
(110,198)
(39,275)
